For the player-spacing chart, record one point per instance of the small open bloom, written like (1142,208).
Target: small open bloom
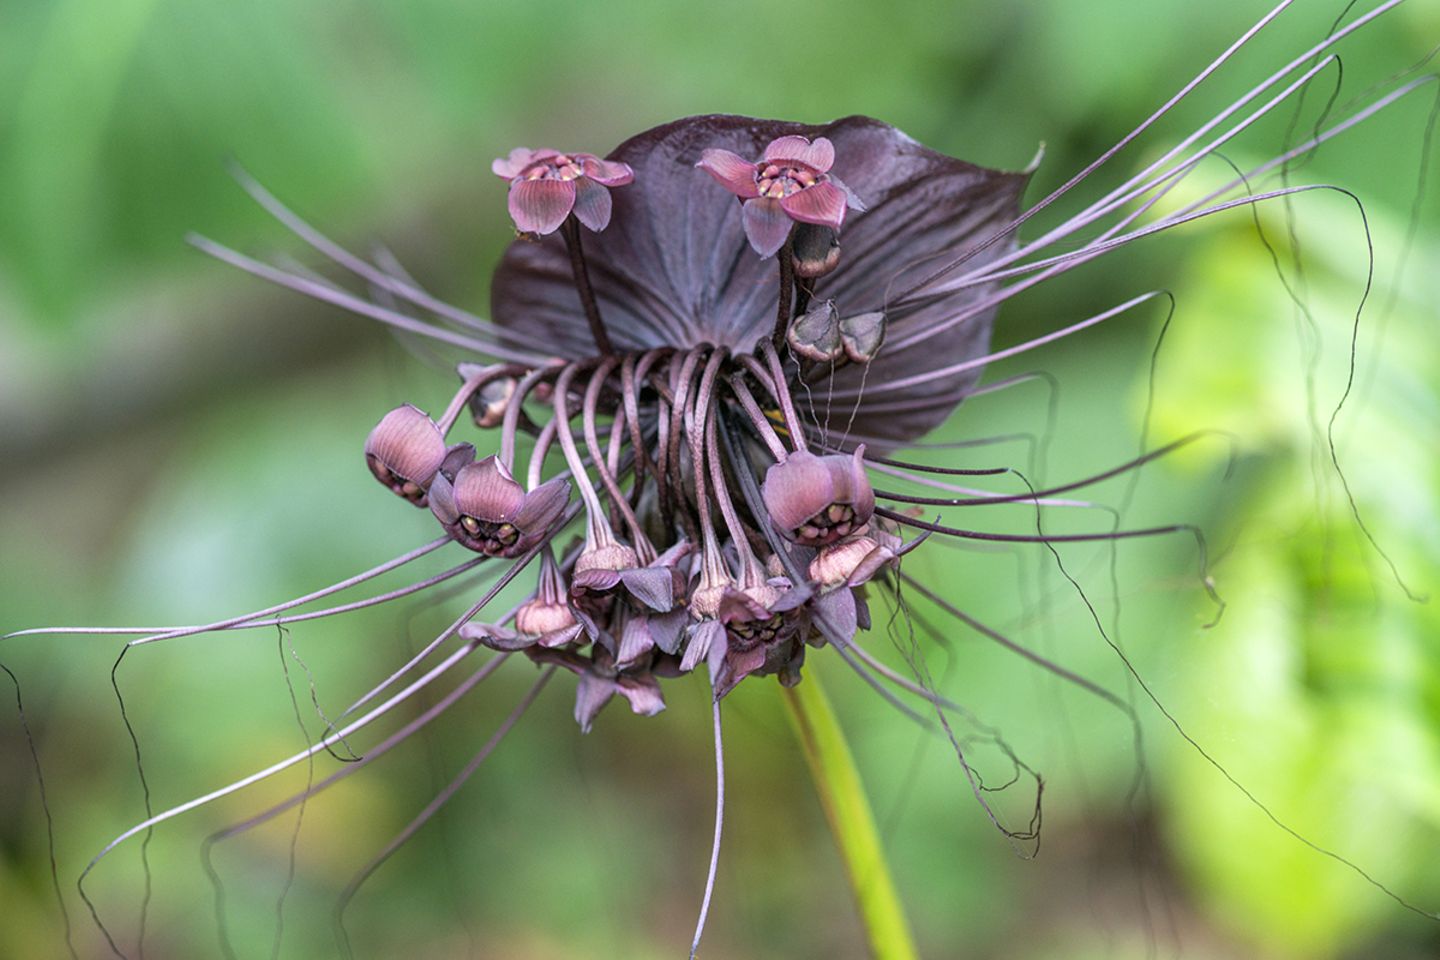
(789,184)
(404,451)
(765,626)
(818,500)
(485,510)
(546,186)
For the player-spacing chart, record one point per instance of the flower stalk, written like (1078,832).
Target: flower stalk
(847,810)
(570,231)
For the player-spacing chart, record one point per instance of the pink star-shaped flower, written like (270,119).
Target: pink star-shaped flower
(790,183)
(546,186)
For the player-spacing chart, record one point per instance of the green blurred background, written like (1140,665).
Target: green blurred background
(181,442)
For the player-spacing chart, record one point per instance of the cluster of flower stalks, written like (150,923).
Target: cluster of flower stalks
(712,536)
(718,531)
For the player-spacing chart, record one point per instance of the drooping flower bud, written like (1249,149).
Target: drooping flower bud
(404,451)
(855,560)
(862,335)
(815,335)
(488,404)
(485,510)
(547,618)
(815,250)
(546,186)
(818,500)
(611,557)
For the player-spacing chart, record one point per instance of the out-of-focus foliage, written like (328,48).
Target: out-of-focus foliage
(180,443)
(1330,709)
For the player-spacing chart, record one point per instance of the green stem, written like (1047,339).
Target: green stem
(837,781)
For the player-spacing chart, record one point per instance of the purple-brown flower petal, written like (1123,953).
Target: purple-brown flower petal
(486,490)
(818,155)
(732,171)
(540,206)
(496,638)
(592,204)
(652,586)
(706,642)
(797,488)
(610,173)
(591,695)
(404,451)
(823,204)
(818,500)
(642,692)
(635,642)
(766,225)
(542,506)
(837,610)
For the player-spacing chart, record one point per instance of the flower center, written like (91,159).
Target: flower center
(832,523)
(493,536)
(559,167)
(408,489)
(775,180)
(748,634)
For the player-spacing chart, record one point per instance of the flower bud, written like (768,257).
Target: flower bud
(818,500)
(488,404)
(815,335)
(485,510)
(550,624)
(612,556)
(404,451)
(855,560)
(862,335)
(815,250)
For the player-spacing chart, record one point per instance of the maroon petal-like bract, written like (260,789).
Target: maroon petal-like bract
(675,268)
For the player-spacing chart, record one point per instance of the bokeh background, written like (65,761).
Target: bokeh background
(180,442)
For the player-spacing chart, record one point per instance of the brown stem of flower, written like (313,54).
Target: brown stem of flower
(515,412)
(787,290)
(804,290)
(570,230)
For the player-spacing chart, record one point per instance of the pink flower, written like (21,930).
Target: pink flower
(546,186)
(790,183)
